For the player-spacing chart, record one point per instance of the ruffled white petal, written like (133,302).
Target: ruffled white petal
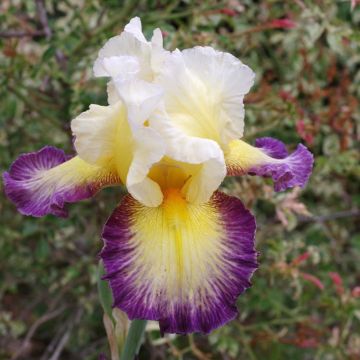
(184,106)
(125,45)
(96,130)
(204,93)
(140,97)
(130,55)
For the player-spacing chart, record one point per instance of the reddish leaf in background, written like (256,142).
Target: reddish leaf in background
(313,279)
(303,133)
(354,3)
(306,337)
(337,280)
(228,11)
(282,24)
(355,292)
(301,258)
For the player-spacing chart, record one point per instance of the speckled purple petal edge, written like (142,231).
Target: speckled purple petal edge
(238,224)
(30,198)
(286,170)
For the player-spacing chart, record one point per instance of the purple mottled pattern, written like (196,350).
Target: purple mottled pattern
(286,170)
(32,196)
(212,308)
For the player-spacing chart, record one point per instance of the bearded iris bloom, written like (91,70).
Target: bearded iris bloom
(176,249)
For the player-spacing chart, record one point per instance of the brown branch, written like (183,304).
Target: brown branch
(43,18)
(41,12)
(66,336)
(43,319)
(329,217)
(62,336)
(196,351)
(20,34)
(42,15)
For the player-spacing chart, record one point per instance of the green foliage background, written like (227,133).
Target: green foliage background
(304,303)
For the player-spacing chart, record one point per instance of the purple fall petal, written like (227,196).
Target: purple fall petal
(41,182)
(224,274)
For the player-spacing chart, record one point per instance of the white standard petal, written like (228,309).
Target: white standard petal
(158,54)
(140,98)
(157,38)
(103,135)
(134,27)
(123,66)
(193,150)
(130,54)
(95,132)
(204,93)
(149,149)
(124,46)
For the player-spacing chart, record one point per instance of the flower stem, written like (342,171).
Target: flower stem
(133,339)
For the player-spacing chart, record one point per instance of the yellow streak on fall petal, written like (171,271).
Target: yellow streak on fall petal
(178,248)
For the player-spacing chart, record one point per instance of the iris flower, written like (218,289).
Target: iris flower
(176,249)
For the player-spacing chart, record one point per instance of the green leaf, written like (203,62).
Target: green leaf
(42,249)
(49,53)
(133,340)
(105,294)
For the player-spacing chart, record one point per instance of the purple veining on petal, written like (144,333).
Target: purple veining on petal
(286,170)
(212,308)
(32,196)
